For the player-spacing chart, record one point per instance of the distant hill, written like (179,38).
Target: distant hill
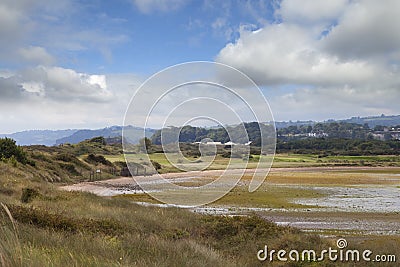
(135,133)
(285,124)
(39,137)
(73,136)
(373,121)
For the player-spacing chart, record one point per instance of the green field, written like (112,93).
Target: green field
(280,161)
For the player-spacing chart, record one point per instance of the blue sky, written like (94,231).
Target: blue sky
(75,64)
(145,38)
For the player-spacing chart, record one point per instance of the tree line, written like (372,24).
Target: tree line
(241,133)
(339,146)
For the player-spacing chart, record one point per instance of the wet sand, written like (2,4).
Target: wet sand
(370,206)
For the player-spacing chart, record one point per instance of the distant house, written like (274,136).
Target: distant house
(230,143)
(214,143)
(396,136)
(386,135)
(318,134)
(227,144)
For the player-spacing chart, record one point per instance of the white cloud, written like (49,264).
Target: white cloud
(323,51)
(322,103)
(287,53)
(10,89)
(68,85)
(55,84)
(36,54)
(367,28)
(58,98)
(14,26)
(148,6)
(310,11)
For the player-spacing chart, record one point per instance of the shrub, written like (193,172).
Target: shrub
(94,159)
(60,222)
(13,161)
(9,149)
(28,194)
(99,140)
(69,168)
(228,154)
(66,157)
(70,158)
(156,165)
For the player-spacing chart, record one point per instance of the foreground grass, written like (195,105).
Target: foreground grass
(81,229)
(115,232)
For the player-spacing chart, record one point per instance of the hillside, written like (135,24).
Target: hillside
(373,121)
(68,163)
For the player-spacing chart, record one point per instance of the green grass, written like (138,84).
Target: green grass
(280,161)
(268,196)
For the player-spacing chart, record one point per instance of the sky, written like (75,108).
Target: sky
(76,64)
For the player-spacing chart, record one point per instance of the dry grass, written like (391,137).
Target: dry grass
(10,246)
(115,232)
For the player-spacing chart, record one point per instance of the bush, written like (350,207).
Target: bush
(91,158)
(66,157)
(60,222)
(120,164)
(28,194)
(228,154)
(9,149)
(156,165)
(69,168)
(13,161)
(99,140)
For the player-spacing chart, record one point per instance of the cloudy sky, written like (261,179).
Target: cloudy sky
(75,64)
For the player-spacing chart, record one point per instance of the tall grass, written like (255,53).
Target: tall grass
(10,246)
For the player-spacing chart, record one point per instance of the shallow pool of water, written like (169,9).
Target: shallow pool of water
(357,199)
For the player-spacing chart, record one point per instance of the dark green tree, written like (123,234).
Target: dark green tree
(9,149)
(145,144)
